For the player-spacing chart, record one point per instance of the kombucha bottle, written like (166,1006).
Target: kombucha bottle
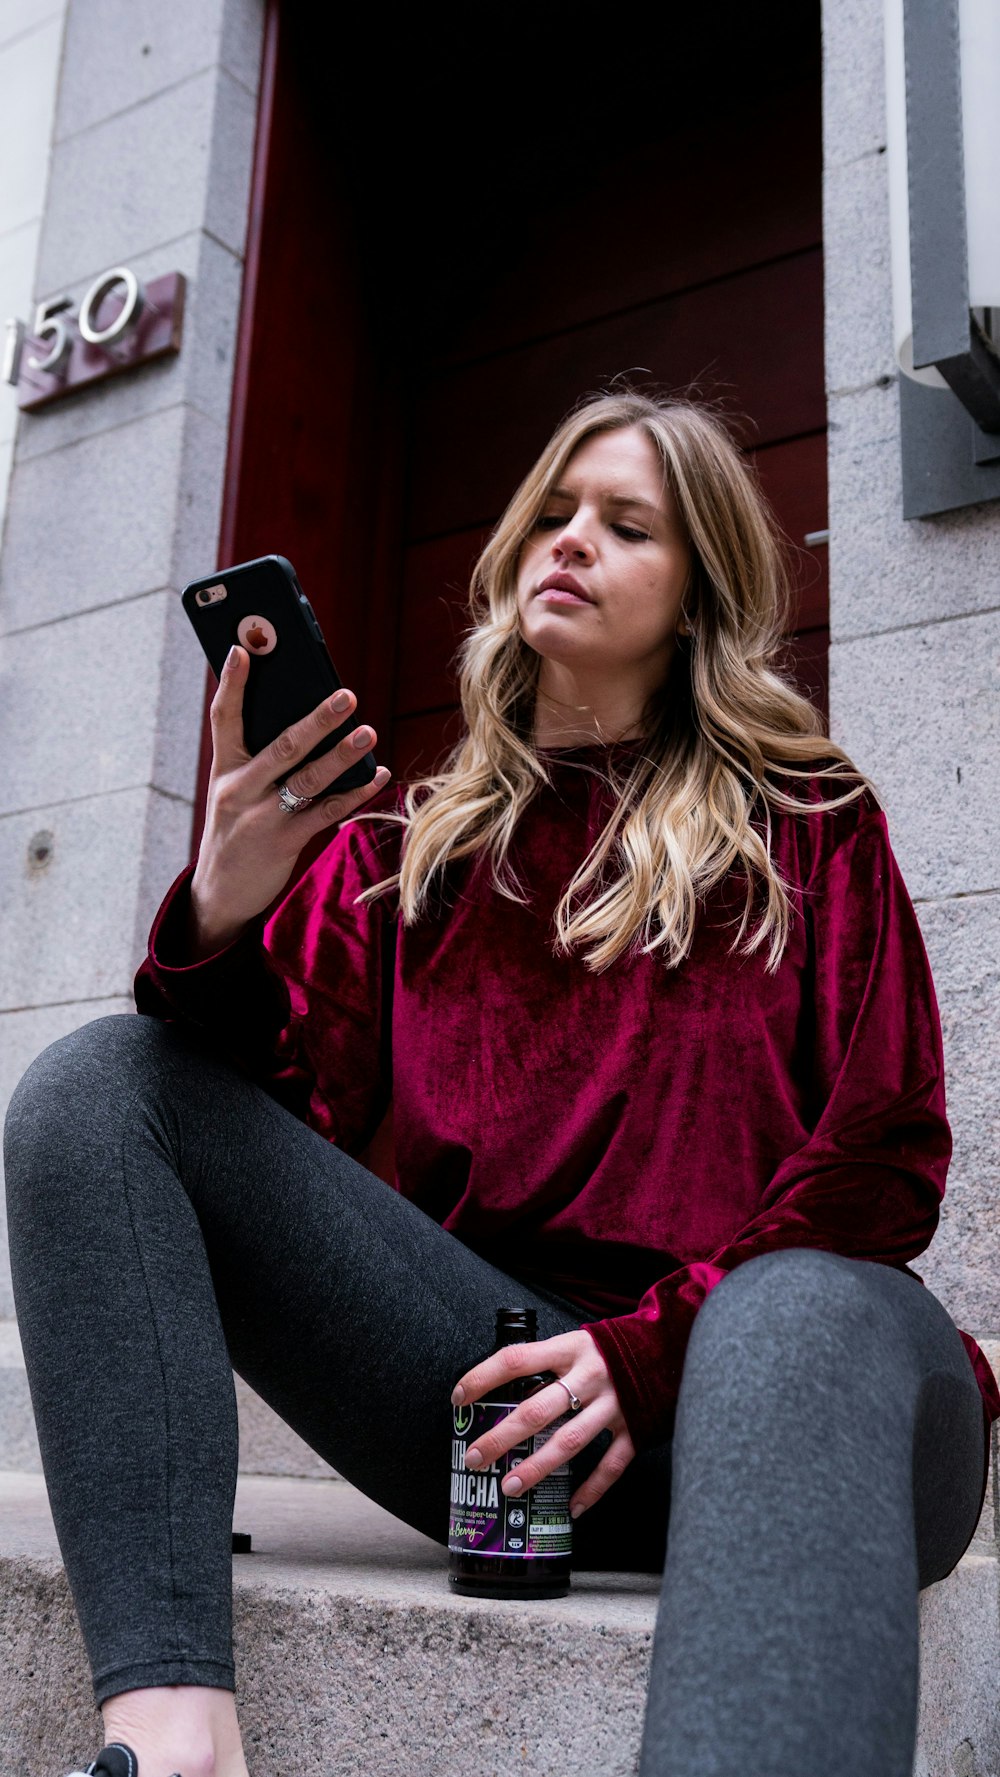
(500,1546)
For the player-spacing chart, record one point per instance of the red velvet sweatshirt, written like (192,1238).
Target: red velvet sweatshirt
(623,1138)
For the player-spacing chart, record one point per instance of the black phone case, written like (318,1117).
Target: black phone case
(286,683)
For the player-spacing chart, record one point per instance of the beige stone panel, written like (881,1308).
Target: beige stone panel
(111,700)
(18,1438)
(116,190)
(858,338)
(20,16)
(120,513)
(987,1538)
(959,1732)
(853,82)
(6,455)
(121,53)
(93,523)
(887,572)
(29,65)
(919,712)
(962,1264)
(242,41)
(83,920)
(267,1445)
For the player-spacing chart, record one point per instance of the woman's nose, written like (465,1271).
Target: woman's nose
(573,544)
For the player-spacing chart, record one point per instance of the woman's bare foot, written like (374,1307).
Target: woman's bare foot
(187,1728)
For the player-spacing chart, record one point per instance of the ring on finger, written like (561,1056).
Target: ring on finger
(575,1402)
(289,801)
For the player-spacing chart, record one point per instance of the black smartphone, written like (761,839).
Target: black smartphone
(261,605)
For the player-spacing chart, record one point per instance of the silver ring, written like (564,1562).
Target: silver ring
(289,801)
(575,1402)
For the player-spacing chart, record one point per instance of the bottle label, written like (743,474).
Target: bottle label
(485,1521)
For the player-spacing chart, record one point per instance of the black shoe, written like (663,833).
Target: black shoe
(114,1761)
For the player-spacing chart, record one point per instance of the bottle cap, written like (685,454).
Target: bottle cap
(517,1320)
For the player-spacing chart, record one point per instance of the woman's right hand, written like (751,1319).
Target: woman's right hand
(250,845)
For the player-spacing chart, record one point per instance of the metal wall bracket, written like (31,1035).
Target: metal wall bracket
(941,470)
(950,437)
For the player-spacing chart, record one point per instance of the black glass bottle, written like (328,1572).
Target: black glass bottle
(504,1546)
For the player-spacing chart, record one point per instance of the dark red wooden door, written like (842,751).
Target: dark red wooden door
(452,239)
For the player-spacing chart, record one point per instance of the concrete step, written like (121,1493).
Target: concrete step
(270,1447)
(18,1443)
(352,1655)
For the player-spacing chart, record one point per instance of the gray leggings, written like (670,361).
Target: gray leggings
(169,1221)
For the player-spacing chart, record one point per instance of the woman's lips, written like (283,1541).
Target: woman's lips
(557,595)
(562,581)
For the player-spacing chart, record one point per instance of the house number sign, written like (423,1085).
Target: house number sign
(120,323)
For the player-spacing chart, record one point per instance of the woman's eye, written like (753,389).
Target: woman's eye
(553,522)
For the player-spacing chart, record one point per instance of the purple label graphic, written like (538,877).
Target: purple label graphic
(484,1521)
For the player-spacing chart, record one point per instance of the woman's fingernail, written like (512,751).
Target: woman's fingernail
(473,1459)
(574,1511)
(513,1484)
(341,701)
(457,1396)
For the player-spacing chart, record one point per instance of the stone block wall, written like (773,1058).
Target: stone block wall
(113,503)
(31,35)
(914,660)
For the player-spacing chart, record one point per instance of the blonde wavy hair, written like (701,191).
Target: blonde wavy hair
(727,717)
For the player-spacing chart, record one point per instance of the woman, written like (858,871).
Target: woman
(703,1154)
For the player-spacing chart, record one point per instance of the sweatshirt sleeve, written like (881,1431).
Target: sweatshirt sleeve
(869,1180)
(300,1002)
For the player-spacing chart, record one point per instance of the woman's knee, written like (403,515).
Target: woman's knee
(93,1053)
(798,1311)
(81,1077)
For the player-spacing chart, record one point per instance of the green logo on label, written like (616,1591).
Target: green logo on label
(463,1420)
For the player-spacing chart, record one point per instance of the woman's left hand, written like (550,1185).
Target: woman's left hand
(575,1359)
